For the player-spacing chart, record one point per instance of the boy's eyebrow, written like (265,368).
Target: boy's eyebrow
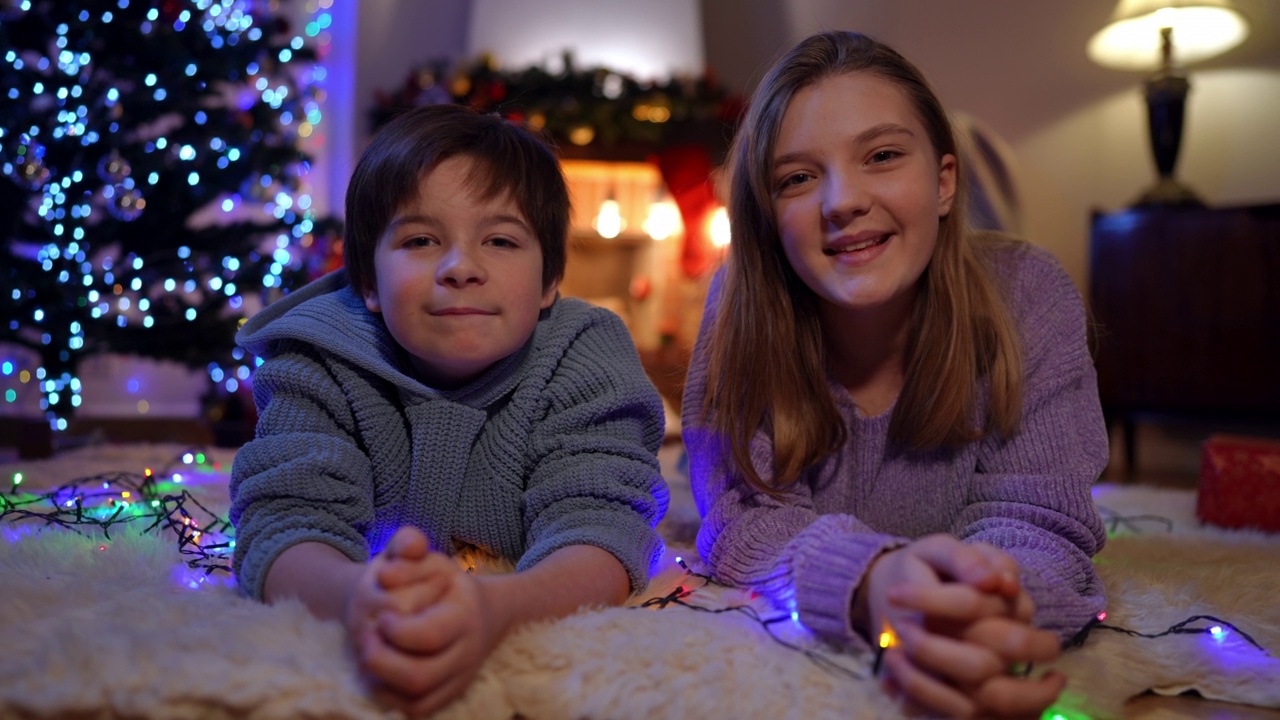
(874,132)
(421,219)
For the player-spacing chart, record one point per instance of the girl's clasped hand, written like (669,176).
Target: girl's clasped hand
(959,622)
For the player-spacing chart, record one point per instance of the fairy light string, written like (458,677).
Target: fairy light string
(104,501)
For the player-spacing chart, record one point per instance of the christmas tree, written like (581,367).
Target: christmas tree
(153,192)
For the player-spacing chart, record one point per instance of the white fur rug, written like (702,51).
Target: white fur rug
(92,627)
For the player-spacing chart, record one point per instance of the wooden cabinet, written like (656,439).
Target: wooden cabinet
(1186,307)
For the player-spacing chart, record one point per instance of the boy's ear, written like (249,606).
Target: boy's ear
(371,300)
(946,183)
(548,295)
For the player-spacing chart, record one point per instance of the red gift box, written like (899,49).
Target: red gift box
(1240,483)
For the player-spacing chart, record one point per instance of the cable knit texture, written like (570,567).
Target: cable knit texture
(554,446)
(1028,495)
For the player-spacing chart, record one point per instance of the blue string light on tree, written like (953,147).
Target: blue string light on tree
(120,128)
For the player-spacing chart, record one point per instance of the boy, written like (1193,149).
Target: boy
(435,395)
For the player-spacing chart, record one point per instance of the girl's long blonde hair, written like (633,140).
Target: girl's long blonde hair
(767,351)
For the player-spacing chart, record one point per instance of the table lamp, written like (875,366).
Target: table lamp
(1166,35)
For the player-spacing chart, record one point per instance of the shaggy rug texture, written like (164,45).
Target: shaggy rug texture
(120,625)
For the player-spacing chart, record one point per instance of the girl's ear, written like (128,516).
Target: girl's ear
(548,295)
(946,183)
(371,301)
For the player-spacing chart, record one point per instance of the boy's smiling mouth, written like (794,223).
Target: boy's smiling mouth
(462,311)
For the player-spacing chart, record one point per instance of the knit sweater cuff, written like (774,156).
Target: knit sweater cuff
(1058,607)
(828,567)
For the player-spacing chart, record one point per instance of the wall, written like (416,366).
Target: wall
(1077,129)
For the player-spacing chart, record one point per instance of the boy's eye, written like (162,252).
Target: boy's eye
(503,242)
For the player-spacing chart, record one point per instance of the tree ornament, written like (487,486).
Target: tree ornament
(31,172)
(113,168)
(30,169)
(126,203)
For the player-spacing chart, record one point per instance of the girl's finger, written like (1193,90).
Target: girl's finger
(949,602)
(958,662)
(957,561)
(1014,641)
(919,687)
(1007,697)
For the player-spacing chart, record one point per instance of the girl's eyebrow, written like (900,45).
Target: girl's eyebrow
(875,132)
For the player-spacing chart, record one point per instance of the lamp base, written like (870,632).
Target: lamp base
(1168,191)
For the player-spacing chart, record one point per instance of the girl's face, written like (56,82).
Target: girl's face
(858,191)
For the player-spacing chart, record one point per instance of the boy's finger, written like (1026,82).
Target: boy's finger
(408,542)
(413,598)
(405,674)
(428,632)
(399,572)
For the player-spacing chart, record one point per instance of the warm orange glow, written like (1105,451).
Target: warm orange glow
(609,222)
(719,227)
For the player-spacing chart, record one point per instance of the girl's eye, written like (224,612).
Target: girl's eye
(503,242)
(419,241)
(794,179)
(884,156)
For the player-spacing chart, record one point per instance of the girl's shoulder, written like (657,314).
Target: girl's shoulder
(1029,275)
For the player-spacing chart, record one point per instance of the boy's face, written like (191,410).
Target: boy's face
(459,278)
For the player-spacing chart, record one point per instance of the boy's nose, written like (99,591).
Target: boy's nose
(458,267)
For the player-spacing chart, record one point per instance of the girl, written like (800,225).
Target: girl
(893,423)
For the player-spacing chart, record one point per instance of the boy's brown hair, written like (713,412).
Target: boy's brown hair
(509,159)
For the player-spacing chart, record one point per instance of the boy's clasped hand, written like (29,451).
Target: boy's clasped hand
(420,625)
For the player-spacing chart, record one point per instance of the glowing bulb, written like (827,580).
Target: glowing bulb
(609,221)
(886,639)
(663,220)
(719,226)
(1217,632)
(795,616)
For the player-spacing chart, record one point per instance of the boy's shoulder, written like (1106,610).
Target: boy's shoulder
(569,318)
(325,314)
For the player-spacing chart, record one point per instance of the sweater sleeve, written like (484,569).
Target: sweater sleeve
(303,478)
(595,478)
(778,545)
(1031,495)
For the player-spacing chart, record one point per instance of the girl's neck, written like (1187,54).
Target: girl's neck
(866,351)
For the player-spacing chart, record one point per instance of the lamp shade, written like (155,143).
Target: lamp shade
(1201,29)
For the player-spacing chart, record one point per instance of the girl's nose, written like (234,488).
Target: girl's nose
(843,198)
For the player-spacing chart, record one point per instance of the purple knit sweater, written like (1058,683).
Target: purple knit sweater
(1030,496)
